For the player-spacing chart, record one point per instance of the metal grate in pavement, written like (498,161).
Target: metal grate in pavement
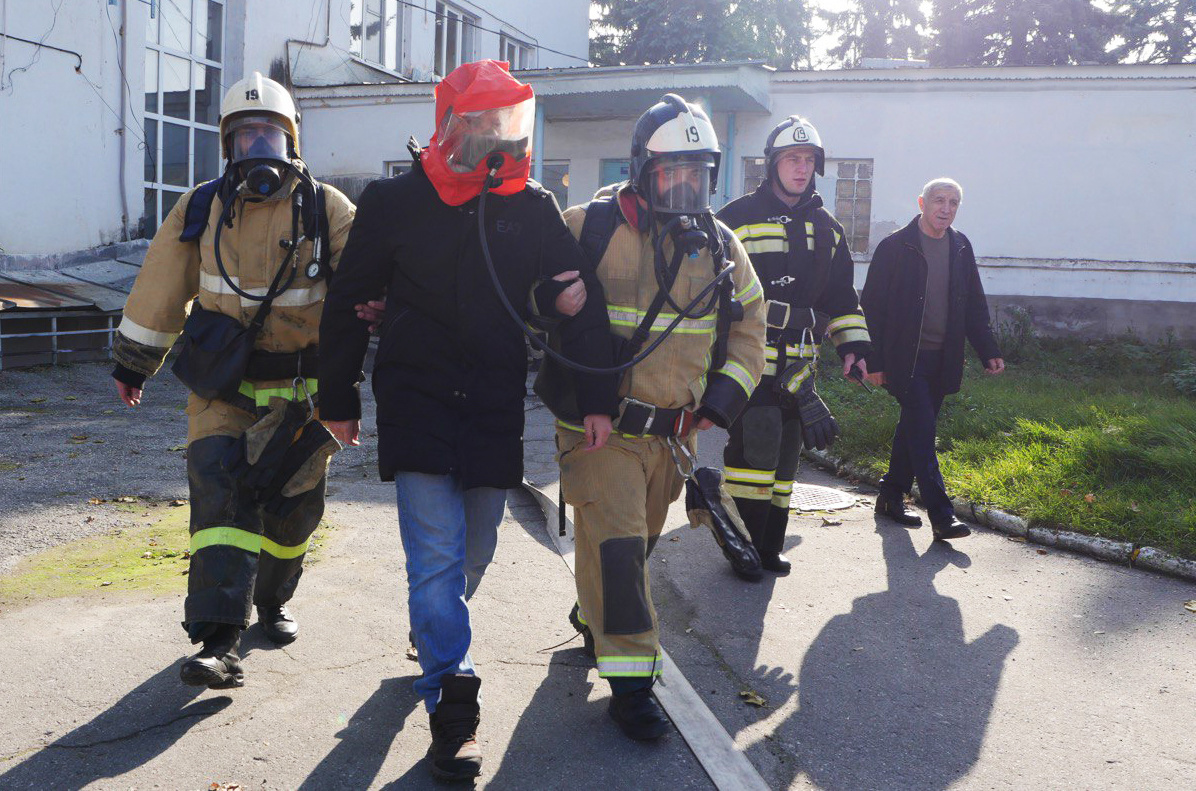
(807,497)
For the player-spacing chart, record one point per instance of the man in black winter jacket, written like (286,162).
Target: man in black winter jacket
(923,298)
(450,371)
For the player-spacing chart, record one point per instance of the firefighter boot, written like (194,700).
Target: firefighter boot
(583,628)
(455,752)
(217,665)
(772,541)
(278,624)
(638,714)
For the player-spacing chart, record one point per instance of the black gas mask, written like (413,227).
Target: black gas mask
(260,155)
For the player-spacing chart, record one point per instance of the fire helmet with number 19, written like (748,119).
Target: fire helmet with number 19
(793,132)
(481,111)
(675,157)
(259,133)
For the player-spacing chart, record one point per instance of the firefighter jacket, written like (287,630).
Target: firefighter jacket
(801,256)
(450,373)
(176,272)
(895,295)
(678,373)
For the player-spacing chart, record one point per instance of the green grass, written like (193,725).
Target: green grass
(1088,438)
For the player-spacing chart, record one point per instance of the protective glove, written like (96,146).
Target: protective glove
(256,456)
(301,469)
(791,380)
(818,426)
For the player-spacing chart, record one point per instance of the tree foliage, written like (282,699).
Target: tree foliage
(1155,31)
(878,29)
(1020,33)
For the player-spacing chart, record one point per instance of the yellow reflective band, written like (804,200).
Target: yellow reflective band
(283,552)
(763,477)
(838,236)
(782,487)
(739,374)
(261,395)
(226,536)
(629,666)
(751,292)
(809,228)
(757,230)
(748,492)
(781,500)
(144,335)
(754,246)
(846,321)
(624,316)
(810,243)
(291,298)
(847,336)
(581,619)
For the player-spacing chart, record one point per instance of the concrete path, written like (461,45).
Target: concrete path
(885,660)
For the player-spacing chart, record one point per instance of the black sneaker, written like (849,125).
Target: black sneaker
(278,624)
(949,529)
(455,752)
(216,666)
(639,715)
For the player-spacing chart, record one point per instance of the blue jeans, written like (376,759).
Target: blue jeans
(913,455)
(449,535)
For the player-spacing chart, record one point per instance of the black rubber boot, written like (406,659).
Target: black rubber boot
(278,624)
(217,665)
(638,714)
(894,507)
(586,635)
(949,529)
(772,541)
(455,752)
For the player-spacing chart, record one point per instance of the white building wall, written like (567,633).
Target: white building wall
(358,136)
(60,138)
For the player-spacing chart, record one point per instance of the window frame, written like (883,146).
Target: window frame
(524,50)
(465,38)
(387,9)
(154,44)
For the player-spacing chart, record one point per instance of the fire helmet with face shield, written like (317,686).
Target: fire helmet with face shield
(793,132)
(675,157)
(259,132)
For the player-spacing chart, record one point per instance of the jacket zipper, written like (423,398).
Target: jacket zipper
(925,286)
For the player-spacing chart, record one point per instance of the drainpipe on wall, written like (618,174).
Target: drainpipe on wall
(538,147)
(729,160)
(124,136)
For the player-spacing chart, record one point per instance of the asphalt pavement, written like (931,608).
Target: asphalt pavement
(884,661)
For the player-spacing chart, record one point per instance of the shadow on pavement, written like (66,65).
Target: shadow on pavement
(138,728)
(367,738)
(891,694)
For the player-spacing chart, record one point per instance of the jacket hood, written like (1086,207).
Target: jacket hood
(471,88)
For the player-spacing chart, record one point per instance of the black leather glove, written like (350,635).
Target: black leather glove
(791,380)
(819,428)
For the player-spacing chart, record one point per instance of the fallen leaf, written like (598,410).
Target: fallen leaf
(108,412)
(38,400)
(1190,606)
(1042,552)
(1066,492)
(147,555)
(177,503)
(1090,498)
(752,699)
(413,654)
(105,584)
(125,498)
(827,522)
(674,538)
(1135,507)
(71,398)
(1098,632)
(186,553)
(858,648)
(79,438)
(97,500)
(1007,598)
(89,519)
(176,448)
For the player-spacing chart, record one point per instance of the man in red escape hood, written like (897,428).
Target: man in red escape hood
(480,110)
(449,375)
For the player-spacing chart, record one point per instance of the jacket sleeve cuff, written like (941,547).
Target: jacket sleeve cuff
(544,298)
(128,376)
(340,404)
(723,400)
(858,348)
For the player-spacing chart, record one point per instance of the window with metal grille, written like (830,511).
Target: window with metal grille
(846,192)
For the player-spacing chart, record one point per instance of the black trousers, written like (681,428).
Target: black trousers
(241,555)
(913,455)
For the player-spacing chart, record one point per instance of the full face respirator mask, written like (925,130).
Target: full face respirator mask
(261,158)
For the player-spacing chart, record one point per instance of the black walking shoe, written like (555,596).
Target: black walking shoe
(896,509)
(455,753)
(586,635)
(278,624)
(639,715)
(949,529)
(775,562)
(217,665)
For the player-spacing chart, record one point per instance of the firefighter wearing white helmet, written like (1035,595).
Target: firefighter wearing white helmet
(656,247)
(254,249)
(801,255)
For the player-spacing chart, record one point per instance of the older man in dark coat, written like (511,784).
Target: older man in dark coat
(923,299)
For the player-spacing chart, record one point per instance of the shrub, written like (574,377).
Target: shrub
(1184,379)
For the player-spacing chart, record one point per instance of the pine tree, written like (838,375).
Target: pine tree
(1156,31)
(1020,33)
(878,29)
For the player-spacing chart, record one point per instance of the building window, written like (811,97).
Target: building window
(556,181)
(846,192)
(376,32)
(396,167)
(613,171)
(454,37)
(183,87)
(519,54)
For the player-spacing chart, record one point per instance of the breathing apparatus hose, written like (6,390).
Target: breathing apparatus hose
(492,181)
(664,277)
(296,212)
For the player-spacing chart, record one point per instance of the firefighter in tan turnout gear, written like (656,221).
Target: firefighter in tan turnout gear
(801,255)
(255,249)
(657,248)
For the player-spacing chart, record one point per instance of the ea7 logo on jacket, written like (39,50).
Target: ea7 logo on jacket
(784,281)
(508,226)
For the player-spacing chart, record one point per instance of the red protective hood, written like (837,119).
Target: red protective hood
(472,87)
